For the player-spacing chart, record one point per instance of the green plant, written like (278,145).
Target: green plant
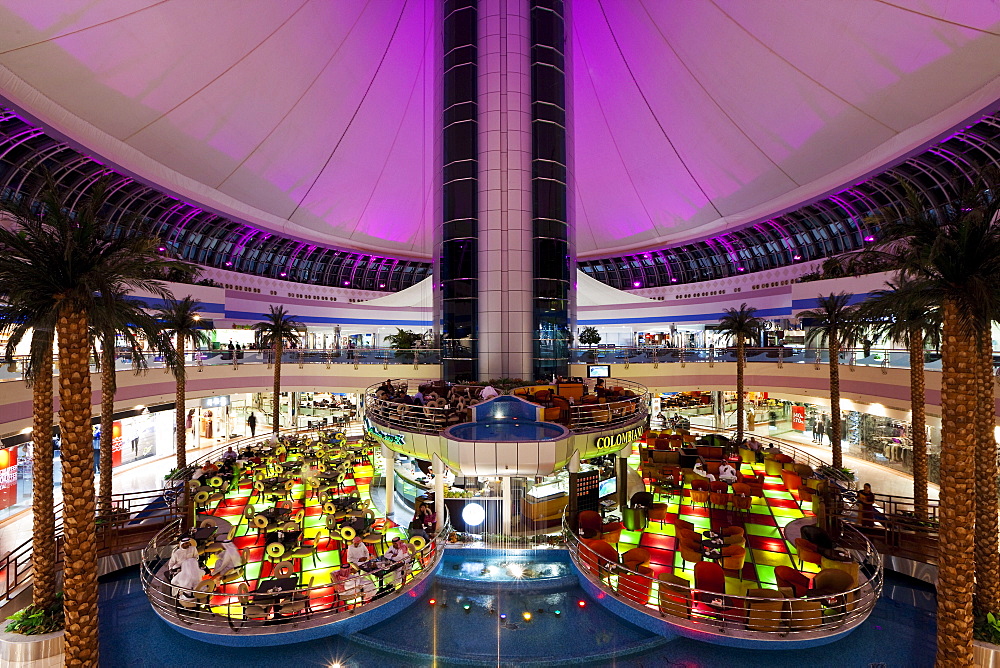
(589,336)
(35,620)
(987,628)
(403,339)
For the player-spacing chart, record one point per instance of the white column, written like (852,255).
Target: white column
(505,206)
(389,462)
(508,504)
(439,468)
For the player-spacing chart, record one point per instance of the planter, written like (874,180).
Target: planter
(20,651)
(986,655)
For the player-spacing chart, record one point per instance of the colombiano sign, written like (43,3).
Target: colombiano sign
(619,439)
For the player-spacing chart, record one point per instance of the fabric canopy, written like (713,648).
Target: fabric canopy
(316,118)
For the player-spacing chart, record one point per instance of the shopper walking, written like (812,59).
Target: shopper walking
(252,423)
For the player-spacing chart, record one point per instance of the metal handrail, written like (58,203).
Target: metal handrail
(124,530)
(877,357)
(850,607)
(200,358)
(229,615)
(433,419)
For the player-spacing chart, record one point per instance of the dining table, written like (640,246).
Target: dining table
(272,592)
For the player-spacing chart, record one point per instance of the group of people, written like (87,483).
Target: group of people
(186,569)
(351,580)
(727,473)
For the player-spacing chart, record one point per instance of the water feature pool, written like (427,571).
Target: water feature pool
(898,634)
(529,567)
(506,430)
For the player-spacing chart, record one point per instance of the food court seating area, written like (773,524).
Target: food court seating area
(716,553)
(289,510)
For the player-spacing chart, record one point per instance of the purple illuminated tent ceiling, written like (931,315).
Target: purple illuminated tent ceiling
(316,118)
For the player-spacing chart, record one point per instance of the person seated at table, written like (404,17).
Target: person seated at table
(229,559)
(699,470)
(186,549)
(208,468)
(416,528)
(398,552)
(357,552)
(488,392)
(349,585)
(187,578)
(727,473)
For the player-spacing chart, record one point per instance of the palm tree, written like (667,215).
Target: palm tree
(955,250)
(905,313)
(59,262)
(835,324)
(16,321)
(277,329)
(739,325)
(116,315)
(181,320)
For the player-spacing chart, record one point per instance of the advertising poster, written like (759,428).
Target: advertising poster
(799,418)
(8,477)
(116,443)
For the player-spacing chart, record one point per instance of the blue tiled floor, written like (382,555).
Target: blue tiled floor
(899,634)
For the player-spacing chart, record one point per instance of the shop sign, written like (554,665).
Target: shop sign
(799,418)
(8,477)
(619,439)
(215,402)
(389,439)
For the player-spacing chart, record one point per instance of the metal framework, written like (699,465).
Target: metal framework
(196,235)
(823,228)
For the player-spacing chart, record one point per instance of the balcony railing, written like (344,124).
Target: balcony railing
(748,617)
(300,356)
(234,609)
(878,357)
(432,418)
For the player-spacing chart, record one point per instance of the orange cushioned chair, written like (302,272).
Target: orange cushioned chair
(733,535)
(719,495)
(791,479)
(790,578)
(598,556)
(636,586)
(636,557)
(699,491)
(733,558)
(808,552)
(741,496)
(674,596)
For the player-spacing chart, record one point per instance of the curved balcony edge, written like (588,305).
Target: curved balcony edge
(311,627)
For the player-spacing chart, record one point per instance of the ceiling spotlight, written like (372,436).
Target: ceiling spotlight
(381,285)
(347,282)
(673,280)
(283,274)
(796,257)
(869,238)
(636,284)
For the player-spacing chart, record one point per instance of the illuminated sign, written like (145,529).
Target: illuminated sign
(619,439)
(389,439)
(215,402)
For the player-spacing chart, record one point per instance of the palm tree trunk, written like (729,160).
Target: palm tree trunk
(180,374)
(43,537)
(834,346)
(918,422)
(107,422)
(740,364)
(987,596)
(276,401)
(80,562)
(956,559)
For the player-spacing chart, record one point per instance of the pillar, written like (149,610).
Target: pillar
(439,506)
(508,504)
(504,245)
(456,234)
(389,463)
